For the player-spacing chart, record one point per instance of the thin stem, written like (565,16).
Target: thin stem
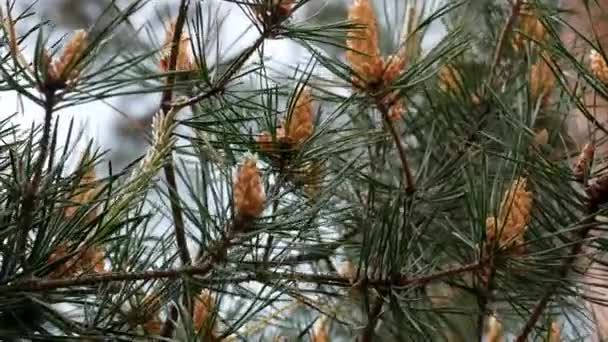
(504,34)
(31,189)
(372,320)
(482,295)
(409,178)
(169,168)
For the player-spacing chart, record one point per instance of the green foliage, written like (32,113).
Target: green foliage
(404,202)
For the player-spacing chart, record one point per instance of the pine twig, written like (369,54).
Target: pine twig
(409,178)
(202,269)
(482,296)
(31,188)
(372,320)
(504,34)
(169,168)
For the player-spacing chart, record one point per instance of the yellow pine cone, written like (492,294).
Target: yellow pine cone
(542,79)
(363,55)
(598,66)
(72,51)
(301,121)
(84,193)
(449,79)
(184,61)
(150,318)
(300,127)
(494,331)
(248,193)
(531,28)
(203,307)
(514,214)
(89,259)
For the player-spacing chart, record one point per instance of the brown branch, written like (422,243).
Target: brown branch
(486,288)
(409,179)
(169,168)
(205,267)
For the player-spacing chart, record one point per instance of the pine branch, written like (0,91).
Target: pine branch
(169,168)
(401,281)
(372,319)
(409,178)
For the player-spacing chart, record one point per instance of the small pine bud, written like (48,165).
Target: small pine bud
(449,79)
(84,193)
(320,330)
(514,214)
(93,259)
(203,308)
(494,330)
(581,166)
(64,267)
(248,193)
(541,138)
(301,121)
(542,79)
(72,51)
(313,177)
(284,7)
(184,61)
(393,67)
(363,53)
(9,28)
(598,66)
(348,270)
(90,259)
(150,319)
(264,142)
(273,12)
(555,332)
(396,110)
(531,28)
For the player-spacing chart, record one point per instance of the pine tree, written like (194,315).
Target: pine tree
(383,192)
